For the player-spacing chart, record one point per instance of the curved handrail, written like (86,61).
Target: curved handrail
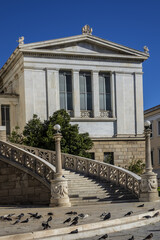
(93,168)
(28,162)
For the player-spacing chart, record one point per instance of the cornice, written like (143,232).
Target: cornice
(48,53)
(90,38)
(14,58)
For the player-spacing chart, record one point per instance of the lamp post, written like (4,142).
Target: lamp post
(148,187)
(59,186)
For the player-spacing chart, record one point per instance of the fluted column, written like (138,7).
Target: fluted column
(76,93)
(95,93)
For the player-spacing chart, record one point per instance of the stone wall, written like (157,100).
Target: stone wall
(17,187)
(124,150)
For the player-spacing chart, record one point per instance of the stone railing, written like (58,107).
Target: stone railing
(39,168)
(92,168)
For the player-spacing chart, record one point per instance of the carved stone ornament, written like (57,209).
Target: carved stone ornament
(146,50)
(87,30)
(59,190)
(149,184)
(21,40)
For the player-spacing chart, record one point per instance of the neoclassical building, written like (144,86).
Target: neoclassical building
(153,115)
(99,83)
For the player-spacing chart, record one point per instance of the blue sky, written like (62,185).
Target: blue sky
(130,23)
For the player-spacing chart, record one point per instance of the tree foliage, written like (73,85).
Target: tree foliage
(136,166)
(41,134)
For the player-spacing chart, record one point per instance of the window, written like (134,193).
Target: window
(104,92)
(109,157)
(65,88)
(5,115)
(85,91)
(158,127)
(152,157)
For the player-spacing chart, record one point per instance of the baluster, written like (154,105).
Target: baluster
(108,174)
(63,161)
(50,157)
(117,178)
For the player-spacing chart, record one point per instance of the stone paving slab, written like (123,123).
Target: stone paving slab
(94,211)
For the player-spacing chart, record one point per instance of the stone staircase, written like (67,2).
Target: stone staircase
(84,190)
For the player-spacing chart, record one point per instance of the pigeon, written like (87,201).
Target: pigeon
(49,219)
(107,216)
(25,221)
(141,205)
(34,215)
(103,237)
(75,219)
(45,225)
(149,236)
(103,214)
(156,214)
(10,215)
(20,215)
(132,238)
(147,216)
(8,218)
(74,223)
(17,221)
(71,213)
(38,216)
(50,214)
(74,231)
(152,209)
(128,214)
(67,220)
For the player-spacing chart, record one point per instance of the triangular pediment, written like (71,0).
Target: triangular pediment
(84,45)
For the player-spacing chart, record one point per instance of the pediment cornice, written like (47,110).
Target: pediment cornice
(80,38)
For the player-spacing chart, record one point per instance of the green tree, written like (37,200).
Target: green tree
(38,134)
(136,166)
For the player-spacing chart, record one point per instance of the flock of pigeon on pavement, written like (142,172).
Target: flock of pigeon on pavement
(72,222)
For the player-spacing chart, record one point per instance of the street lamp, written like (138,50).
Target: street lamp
(148,187)
(59,186)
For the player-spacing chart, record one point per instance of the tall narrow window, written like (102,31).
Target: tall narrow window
(5,115)
(158,127)
(65,88)
(104,92)
(85,91)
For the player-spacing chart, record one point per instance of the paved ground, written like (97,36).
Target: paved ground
(117,210)
(138,233)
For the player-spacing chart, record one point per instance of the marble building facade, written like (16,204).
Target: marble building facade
(99,83)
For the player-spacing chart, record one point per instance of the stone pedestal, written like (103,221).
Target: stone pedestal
(148,188)
(59,193)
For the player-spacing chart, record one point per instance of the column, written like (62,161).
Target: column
(76,93)
(95,94)
(53,91)
(112,94)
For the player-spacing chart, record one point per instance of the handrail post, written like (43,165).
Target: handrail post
(59,186)
(148,187)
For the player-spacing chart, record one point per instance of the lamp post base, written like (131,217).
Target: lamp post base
(59,193)
(148,188)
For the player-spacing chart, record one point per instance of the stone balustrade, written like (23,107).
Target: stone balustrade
(92,168)
(28,162)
